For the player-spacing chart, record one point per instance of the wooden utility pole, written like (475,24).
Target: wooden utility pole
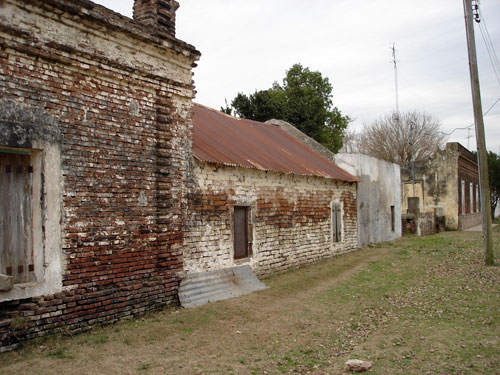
(480,138)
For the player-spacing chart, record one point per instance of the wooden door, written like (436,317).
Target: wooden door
(336,223)
(16,248)
(240,232)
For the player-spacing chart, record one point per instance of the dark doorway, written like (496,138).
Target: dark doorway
(241,232)
(393,219)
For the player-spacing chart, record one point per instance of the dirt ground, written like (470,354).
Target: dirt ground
(416,306)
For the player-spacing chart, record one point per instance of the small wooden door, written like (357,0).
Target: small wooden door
(16,248)
(336,222)
(240,232)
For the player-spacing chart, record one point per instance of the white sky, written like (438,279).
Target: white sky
(247,45)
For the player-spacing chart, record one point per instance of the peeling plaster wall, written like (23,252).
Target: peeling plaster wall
(291,218)
(117,100)
(378,191)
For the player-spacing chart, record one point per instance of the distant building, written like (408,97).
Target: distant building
(445,187)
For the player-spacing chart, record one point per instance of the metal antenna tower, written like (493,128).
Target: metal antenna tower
(394,61)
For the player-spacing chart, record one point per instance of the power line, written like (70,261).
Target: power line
(497,63)
(471,125)
(491,51)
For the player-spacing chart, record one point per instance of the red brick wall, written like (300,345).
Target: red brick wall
(125,152)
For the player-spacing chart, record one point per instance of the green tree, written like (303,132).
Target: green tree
(304,100)
(494,178)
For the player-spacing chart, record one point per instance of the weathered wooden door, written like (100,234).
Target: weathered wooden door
(336,223)
(240,232)
(16,248)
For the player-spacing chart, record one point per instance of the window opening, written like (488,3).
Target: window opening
(242,243)
(336,222)
(393,219)
(462,198)
(16,217)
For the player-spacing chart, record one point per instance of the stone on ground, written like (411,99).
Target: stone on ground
(357,365)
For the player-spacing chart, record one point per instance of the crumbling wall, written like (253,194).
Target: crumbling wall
(435,184)
(291,221)
(122,100)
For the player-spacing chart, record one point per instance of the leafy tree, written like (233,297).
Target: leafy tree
(304,100)
(494,178)
(401,138)
(227,109)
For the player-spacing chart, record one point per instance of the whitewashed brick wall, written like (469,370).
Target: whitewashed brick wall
(290,218)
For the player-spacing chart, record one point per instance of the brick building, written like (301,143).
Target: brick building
(261,197)
(95,151)
(446,187)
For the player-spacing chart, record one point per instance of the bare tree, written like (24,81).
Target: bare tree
(401,138)
(350,142)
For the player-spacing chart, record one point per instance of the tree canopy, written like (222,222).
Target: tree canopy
(399,138)
(494,178)
(304,100)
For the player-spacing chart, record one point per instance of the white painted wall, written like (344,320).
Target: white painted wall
(379,190)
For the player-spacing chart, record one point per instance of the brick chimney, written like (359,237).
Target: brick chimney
(157,14)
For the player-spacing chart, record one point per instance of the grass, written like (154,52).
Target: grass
(420,305)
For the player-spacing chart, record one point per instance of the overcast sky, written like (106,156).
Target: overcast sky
(247,45)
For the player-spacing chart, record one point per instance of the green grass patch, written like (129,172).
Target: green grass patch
(419,305)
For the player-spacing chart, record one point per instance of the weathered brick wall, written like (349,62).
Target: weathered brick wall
(122,99)
(408,224)
(424,224)
(291,218)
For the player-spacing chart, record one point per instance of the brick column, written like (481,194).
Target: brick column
(158,14)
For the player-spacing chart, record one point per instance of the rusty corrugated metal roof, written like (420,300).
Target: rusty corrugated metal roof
(223,139)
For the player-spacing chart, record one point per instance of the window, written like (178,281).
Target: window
(471,198)
(242,232)
(31,183)
(462,198)
(477,198)
(336,222)
(16,239)
(393,219)
(30,216)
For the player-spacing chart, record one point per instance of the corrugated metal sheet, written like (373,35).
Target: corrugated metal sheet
(199,288)
(223,139)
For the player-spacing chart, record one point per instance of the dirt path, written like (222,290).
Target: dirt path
(387,303)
